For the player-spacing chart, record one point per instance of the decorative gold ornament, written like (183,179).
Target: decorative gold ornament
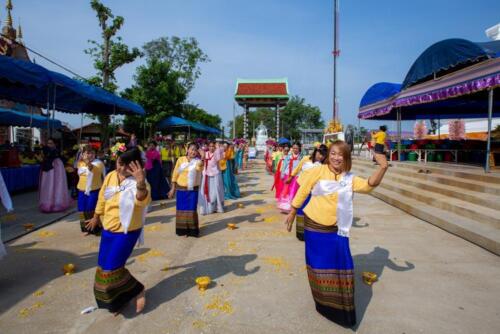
(69,268)
(203,282)
(369,277)
(334,126)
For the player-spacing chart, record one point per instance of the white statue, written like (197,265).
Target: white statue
(261,137)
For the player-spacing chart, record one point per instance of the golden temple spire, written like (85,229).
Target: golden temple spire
(19,32)
(9,7)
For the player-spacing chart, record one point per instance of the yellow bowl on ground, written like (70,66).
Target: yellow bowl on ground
(231,226)
(69,269)
(203,282)
(369,277)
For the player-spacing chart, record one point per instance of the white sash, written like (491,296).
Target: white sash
(128,193)
(309,164)
(85,171)
(345,212)
(192,174)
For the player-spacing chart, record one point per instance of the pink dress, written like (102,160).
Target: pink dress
(151,156)
(289,189)
(53,189)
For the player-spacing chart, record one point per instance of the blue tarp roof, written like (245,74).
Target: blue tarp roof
(9,117)
(447,55)
(32,84)
(283,140)
(379,92)
(177,122)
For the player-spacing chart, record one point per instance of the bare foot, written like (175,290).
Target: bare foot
(140,302)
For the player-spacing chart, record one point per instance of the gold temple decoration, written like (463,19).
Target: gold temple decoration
(19,32)
(9,8)
(334,126)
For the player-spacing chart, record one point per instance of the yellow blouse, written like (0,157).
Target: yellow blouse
(297,169)
(230,154)
(109,210)
(323,209)
(98,172)
(222,165)
(166,153)
(182,178)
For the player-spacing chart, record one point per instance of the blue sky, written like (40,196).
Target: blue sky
(379,40)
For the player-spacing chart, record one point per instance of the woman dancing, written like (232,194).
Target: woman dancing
(154,173)
(91,172)
(328,218)
(290,185)
(211,198)
(121,210)
(185,185)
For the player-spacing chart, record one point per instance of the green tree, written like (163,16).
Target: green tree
(196,114)
(108,55)
(164,82)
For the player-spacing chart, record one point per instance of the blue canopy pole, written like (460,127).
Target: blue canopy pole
(490,116)
(53,109)
(81,127)
(48,113)
(399,135)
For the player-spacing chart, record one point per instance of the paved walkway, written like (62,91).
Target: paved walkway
(430,281)
(26,214)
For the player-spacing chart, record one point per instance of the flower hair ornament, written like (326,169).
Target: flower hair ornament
(117,150)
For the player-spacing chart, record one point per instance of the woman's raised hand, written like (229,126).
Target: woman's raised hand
(137,172)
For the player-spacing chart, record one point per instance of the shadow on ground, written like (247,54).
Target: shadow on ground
(375,261)
(26,268)
(221,224)
(215,267)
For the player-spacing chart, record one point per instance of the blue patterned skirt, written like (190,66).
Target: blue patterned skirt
(86,207)
(114,286)
(186,218)
(330,271)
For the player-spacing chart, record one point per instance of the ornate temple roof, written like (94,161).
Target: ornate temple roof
(262,92)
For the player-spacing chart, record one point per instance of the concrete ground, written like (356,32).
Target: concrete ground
(429,280)
(26,213)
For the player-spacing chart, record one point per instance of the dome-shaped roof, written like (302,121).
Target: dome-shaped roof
(449,54)
(379,92)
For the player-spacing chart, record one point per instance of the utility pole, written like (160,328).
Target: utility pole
(336,54)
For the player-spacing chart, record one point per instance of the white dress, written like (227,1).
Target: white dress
(7,203)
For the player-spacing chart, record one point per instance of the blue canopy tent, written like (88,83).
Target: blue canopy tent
(11,117)
(454,78)
(32,84)
(174,122)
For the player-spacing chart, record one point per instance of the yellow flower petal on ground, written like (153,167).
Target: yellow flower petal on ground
(38,293)
(220,305)
(46,234)
(149,254)
(279,263)
(152,228)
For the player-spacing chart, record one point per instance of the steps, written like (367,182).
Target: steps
(463,201)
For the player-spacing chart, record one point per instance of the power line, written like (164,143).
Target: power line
(44,57)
